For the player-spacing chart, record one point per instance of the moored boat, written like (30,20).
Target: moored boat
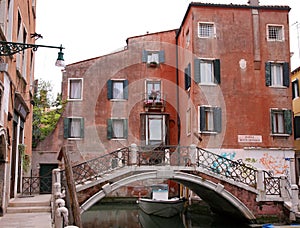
(160,204)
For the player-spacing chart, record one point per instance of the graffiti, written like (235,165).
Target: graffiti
(221,165)
(277,165)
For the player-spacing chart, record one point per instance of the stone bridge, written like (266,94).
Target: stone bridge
(227,186)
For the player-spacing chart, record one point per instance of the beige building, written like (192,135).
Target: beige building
(17,24)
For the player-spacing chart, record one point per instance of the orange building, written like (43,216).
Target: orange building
(17,24)
(220,81)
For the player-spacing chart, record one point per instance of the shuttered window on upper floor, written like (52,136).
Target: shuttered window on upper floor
(207,71)
(117,128)
(73,127)
(277,74)
(117,89)
(210,119)
(153,57)
(187,77)
(281,122)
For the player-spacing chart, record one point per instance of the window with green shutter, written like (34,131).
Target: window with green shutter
(281,122)
(297,127)
(73,127)
(117,128)
(277,74)
(187,77)
(210,119)
(117,89)
(207,71)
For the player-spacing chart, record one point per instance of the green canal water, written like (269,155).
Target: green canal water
(128,215)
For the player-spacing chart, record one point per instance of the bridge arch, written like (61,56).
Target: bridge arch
(213,194)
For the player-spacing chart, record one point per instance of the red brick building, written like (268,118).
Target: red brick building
(221,81)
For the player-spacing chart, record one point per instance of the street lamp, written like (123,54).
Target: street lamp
(11,48)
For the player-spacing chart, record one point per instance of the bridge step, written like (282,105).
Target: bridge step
(39,203)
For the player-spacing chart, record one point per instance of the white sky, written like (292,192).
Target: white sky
(93,28)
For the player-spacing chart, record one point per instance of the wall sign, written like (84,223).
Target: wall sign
(249,138)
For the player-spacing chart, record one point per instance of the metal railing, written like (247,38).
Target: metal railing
(162,155)
(36,185)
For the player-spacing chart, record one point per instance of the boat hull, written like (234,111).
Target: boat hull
(162,208)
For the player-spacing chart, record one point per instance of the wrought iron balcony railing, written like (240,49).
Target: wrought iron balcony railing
(154,101)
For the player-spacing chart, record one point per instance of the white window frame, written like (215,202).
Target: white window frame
(158,93)
(277,38)
(119,136)
(276,76)
(162,132)
(210,34)
(278,124)
(188,122)
(209,79)
(153,57)
(69,89)
(295,83)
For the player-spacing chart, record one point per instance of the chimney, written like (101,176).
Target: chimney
(253,2)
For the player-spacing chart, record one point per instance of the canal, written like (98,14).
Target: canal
(128,215)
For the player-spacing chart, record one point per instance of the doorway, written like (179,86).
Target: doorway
(46,177)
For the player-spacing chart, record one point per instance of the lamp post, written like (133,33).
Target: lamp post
(11,48)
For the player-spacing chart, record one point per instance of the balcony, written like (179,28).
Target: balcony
(154,102)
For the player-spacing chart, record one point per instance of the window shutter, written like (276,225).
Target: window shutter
(143,128)
(81,128)
(288,121)
(202,118)
(109,129)
(144,56)
(66,127)
(109,90)
(197,70)
(286,74)
(161,57)
(186,79)
(125,128)
(217,71)
(293,88)
(268,73)
(125,89)
(272,121)
(297,127)
(217,119)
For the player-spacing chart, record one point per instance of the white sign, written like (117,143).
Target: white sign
(249,138)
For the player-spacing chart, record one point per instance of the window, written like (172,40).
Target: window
(297,127)
(153,57)
(154,129)
(277,74)
(275,33)
(117,89)
(207,71)
(73,127)
(153,90)
(75,89)
(187,39)
(295,85)
(210,119)
(188,122)
(187,77)
(206,30)
(281,121)
(117,128)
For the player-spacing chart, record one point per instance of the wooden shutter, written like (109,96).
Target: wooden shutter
(143,128)
(197,70)
(125,124)
(217,119)
(296,82)
(272,121)
(66,127)
(82,128)
(125,89)
(288,121)
(268,73)
(109,129)
(186,79)
(217,71)
(202,118)
(161,57)
(286,74)
(297,127)
(109,89)
(144,56)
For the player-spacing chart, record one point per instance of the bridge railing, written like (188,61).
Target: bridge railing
(163,155)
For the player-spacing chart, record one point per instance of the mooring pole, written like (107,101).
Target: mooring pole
(75,210)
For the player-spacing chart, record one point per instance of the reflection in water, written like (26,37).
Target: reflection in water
(123,215)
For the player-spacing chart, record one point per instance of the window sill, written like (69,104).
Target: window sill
(207,84)
(209,132)
(116,139)
(70,99)
(118,99)
(74,139)
(280,135)
(278,87)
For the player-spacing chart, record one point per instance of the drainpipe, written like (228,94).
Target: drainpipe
(177,93)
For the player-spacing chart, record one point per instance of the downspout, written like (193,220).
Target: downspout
(177,94)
